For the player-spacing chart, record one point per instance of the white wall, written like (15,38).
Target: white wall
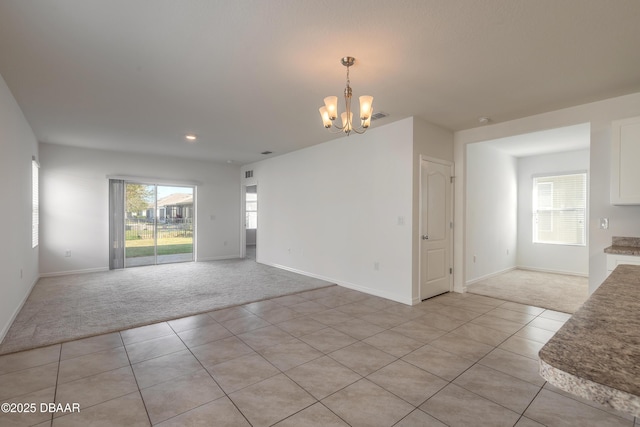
(492,205)
(552,258)
(75,204)
(623,220)
(331,211)
(18,260)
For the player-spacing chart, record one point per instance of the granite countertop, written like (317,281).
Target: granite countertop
(596,354)
(623,250)
(624,246)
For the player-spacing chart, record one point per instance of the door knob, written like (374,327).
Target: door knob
(425,237)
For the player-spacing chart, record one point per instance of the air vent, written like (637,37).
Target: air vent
(248,174)
(379,115)
(267,152)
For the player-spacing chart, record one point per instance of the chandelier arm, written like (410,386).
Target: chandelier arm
(338,130)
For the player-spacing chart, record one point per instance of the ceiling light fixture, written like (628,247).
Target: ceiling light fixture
(190,137)
(329,112)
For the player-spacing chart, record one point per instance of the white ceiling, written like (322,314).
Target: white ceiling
(568,138)
(249,75)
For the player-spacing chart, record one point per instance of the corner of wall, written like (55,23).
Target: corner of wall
(18,260)
(14,315)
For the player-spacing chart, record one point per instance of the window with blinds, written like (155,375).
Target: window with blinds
(252,211)
(559,209)
(35,203)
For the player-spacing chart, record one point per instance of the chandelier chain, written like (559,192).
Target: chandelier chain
(348,81)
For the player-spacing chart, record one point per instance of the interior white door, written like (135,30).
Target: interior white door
(435,239)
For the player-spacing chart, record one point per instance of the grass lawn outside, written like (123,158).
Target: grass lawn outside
(171,246)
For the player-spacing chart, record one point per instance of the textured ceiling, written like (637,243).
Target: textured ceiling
(249,75)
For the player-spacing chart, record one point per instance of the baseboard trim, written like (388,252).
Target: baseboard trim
(542,270)
(70,272)
(376,292)
(5,329)
(345,284)
(487,276)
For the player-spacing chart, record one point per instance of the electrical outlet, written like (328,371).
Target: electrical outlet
(474,258)
(67,254)
(604,223)
(376,265)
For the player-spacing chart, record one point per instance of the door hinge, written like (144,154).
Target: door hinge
(451,271)
(451,179)
(451,224)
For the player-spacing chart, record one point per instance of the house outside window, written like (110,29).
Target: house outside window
(559,209)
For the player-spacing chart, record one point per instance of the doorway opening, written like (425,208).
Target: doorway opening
(526,221)
(251,221)
(159,224)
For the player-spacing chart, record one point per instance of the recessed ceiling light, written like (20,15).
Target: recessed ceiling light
(484,120)
(190,137)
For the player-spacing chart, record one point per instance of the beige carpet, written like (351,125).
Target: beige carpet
(547,290)
(65,308)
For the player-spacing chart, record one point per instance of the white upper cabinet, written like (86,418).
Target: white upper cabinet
(625,162)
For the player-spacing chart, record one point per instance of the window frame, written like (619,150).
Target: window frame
(535,238)
(248,211)
(35,203)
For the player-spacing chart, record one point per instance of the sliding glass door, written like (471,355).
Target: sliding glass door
(139,224)
(159,226)
(174,241)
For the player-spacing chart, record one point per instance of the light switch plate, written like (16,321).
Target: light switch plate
(604,223)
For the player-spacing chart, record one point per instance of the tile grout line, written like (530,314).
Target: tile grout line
(474,364)
(530,403)
(323,354)
(55,390)
(108,400)
(135,379)
(211,376)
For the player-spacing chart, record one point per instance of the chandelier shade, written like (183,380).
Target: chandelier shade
(329,112)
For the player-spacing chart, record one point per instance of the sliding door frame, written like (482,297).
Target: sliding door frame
(159,182)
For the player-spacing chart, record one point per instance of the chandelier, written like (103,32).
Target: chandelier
(329,112)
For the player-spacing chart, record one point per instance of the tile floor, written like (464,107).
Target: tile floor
(328,357)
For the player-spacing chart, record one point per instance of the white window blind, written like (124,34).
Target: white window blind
(559,209)
(35,203)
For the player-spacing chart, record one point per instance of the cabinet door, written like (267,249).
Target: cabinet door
(625,162)
(614,260)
